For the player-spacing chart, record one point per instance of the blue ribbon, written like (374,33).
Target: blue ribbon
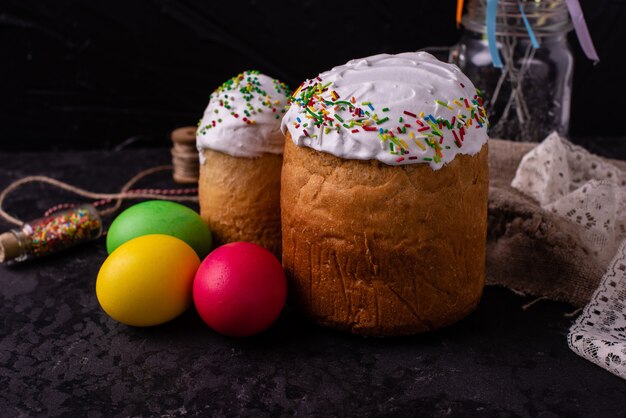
(492,10)
(529,29)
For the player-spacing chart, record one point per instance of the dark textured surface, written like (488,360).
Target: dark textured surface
(60,355)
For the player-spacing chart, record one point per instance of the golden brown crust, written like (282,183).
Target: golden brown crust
(383,250)
(240,198)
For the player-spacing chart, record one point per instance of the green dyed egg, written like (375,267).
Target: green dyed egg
(160,217)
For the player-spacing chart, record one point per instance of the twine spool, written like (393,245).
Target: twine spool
(185,155)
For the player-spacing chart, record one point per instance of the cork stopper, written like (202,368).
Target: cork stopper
(9,247)
(185,155)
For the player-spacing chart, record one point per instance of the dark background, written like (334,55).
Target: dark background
(115,74)
(105,74)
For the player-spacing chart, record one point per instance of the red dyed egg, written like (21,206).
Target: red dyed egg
(240,289)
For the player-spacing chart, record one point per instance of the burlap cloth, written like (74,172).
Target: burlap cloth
(530,249)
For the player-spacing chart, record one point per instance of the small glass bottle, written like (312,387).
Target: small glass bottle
(50,234)
(530,96)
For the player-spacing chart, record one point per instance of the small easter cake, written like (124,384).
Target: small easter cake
(241,147)
(384,195)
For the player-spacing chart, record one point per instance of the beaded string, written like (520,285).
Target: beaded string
(178,195)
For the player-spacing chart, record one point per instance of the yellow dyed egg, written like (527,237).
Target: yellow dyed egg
(147,280)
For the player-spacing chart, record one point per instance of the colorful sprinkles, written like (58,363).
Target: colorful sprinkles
(256,99)
(62,230)
(323,107)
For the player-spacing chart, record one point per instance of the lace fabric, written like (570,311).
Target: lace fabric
(569,181)
(591,193)
(599,333)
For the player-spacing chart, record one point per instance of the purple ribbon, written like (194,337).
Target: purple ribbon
(582,32)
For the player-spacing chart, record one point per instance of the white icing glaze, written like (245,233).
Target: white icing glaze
(398,87)
(243,117)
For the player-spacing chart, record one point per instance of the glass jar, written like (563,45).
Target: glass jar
(52,233)
(529,97)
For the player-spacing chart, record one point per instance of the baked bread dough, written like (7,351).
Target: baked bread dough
(240,198)
(240,148)
(384,195)
(383,250)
